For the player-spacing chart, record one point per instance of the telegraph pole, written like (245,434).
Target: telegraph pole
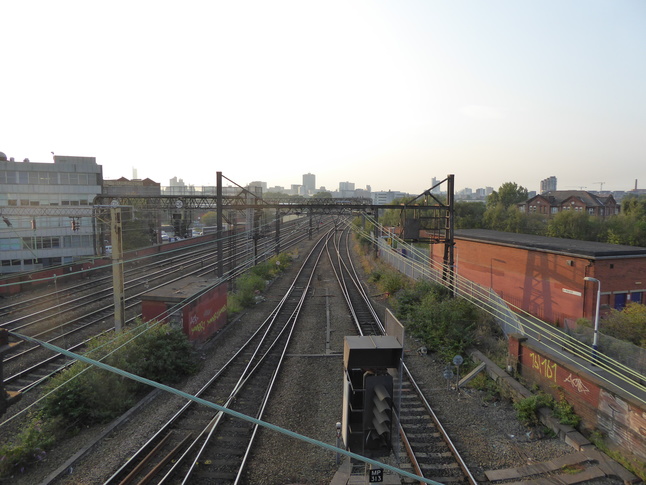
(218,209)
(117,268)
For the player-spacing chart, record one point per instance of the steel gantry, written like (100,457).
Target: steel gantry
(427,218)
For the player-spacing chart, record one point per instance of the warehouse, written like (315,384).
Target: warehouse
(547,276)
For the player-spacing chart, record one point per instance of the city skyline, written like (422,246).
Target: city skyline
(380,93)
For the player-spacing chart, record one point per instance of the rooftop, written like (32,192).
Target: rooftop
(574,247)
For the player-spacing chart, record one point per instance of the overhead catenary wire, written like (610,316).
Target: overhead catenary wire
(526,323)
(224,410)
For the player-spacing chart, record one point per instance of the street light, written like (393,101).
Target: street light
(595,340)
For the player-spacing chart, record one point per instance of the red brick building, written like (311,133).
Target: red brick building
(545,276)
(556,201)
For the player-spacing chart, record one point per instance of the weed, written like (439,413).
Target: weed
(527,409)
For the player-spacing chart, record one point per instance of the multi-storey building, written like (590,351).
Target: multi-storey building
(385,198)
(46,210)
(309,183)
(548,184)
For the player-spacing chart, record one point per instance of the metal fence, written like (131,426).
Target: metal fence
(415,262)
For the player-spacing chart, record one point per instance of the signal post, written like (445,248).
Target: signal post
(372,366)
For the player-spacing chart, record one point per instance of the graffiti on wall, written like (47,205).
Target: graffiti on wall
(543,366)
(576,383)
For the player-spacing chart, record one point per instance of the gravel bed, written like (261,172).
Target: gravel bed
(308,399)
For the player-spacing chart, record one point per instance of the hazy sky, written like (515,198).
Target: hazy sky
(380,93)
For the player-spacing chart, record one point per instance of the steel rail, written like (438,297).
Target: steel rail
(356,280)
(261,337)
(80,324)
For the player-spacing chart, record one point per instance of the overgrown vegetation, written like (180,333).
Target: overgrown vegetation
(254,281)
(634,466)
(84,395)
(419,305)
(628,324)
(527,410)
(501,213)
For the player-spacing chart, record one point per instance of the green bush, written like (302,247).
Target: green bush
(84,395)
(162,355)
(527,409)
(445,325)
(250,284)
(564,412)
(392,282)
(29,447)
(487,386)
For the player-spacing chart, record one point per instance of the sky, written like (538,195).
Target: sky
(382,93)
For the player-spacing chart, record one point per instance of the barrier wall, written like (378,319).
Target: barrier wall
(619,416)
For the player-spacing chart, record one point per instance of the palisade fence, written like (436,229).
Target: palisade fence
(415,262)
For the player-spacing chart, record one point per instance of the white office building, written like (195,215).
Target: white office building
(46,211)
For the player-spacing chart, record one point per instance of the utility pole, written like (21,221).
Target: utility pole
(218,209)
(117,268)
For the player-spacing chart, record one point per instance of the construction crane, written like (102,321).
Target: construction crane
(600,185)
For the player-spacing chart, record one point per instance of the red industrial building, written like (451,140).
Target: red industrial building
(545,276)
(193,304)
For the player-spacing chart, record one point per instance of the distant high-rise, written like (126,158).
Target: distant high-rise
(434,182)
(309,183)
(548,184)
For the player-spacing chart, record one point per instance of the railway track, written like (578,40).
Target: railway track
(201,447)
(425,443)
(73,320)
(186,451)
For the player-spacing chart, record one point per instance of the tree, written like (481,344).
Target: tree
(210,218)
(502,214)
(629,227)
(508,194)
(135,234)
(274,195)
(628,324)
(574,225)
(469,215)
(392,217)
(323,195)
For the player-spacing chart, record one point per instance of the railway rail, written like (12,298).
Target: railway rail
(427,445)
(71,316)
(197,446)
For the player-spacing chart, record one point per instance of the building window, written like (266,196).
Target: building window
(554,210)
(10,243)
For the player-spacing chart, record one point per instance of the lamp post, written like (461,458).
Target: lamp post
(595,340)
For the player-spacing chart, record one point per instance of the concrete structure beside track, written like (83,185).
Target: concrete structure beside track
(195,305)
